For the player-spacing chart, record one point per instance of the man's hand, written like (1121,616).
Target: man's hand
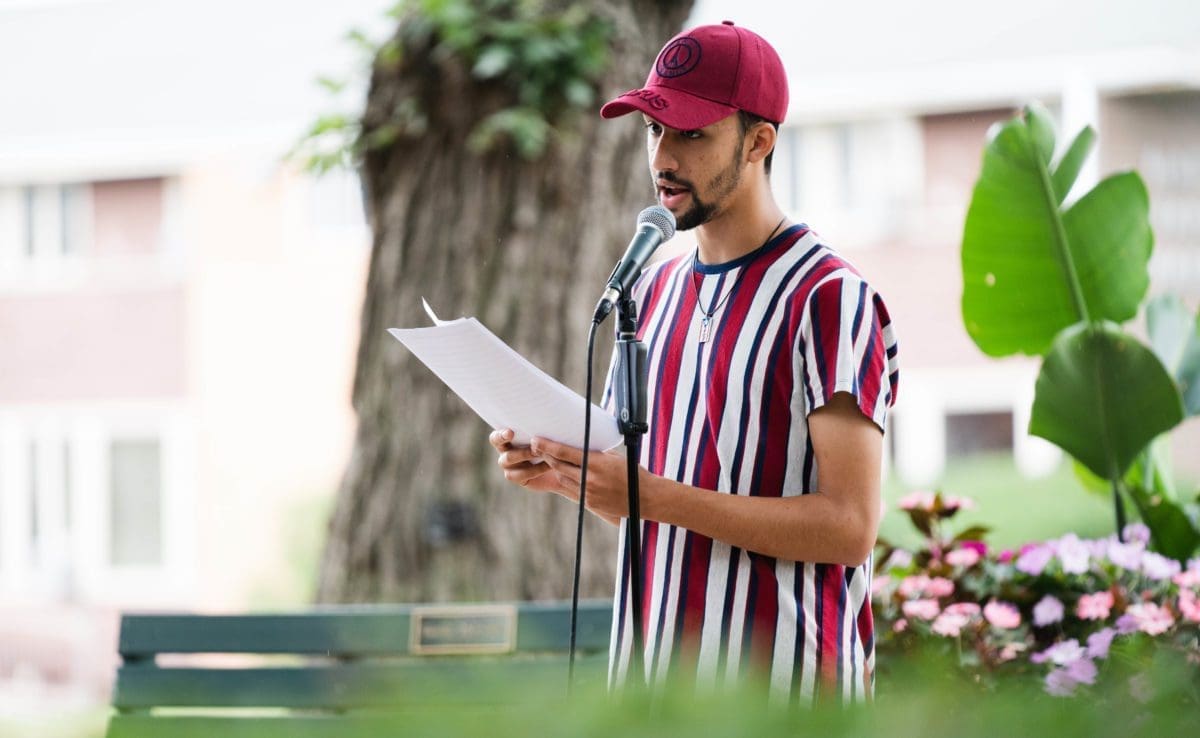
(521,465)
(607,482)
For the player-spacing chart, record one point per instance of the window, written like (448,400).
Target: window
(135,511)
(972,434)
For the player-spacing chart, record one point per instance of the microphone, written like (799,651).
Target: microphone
(655,224)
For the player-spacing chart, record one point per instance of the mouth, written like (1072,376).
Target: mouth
(671,195)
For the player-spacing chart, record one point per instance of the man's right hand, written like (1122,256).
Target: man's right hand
(521,466)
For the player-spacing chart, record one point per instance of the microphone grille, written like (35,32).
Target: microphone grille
(660,218)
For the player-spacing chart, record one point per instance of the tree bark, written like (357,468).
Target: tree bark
(423,513)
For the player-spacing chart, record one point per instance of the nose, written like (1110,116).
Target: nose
(661,157)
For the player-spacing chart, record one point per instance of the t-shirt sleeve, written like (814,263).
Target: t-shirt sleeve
(847,344)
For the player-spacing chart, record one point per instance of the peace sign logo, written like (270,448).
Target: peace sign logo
(680,57)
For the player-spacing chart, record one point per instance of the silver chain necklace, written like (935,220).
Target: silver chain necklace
(707,315)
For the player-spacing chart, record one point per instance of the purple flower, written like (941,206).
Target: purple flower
(1157,566)
(1127,624)
(1063,652)
(1125,555)
(1073,553)
(1082,671)
(1034,559)
(1060,683)
(1137,532)
(1099,642)
(1048,610)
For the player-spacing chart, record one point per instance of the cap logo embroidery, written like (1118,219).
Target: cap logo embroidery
(680,57)
(656,101)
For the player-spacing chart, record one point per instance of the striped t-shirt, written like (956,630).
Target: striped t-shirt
(793,324)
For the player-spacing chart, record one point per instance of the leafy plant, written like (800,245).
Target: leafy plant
(1043,277)
(545,62)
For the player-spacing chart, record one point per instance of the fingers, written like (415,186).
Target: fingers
(545,447)
(500,438)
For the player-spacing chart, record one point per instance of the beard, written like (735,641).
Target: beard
(702,210)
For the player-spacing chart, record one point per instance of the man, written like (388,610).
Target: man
(772,367)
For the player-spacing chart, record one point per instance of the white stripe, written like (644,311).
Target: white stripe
(737,624)
(808,670)
(672,607)
(783,658)
(714,606)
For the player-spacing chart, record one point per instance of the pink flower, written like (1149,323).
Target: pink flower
(900,559)
(1033,560)
(1094,606)
(1187,578)
(939,587)
(1189,605)
(950,502)
(913,586)
(921,609)
(964,557)
(1099,642)
(1048,610)
(1005,556)
(1010,651)
(917,501)
(1063,652)
(1159,567)
(963,608)
(1002,614)
(900,625)
(978,547)
(879,584)
(949,624)
(1073,553)
(1151,618)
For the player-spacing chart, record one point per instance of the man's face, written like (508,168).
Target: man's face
(695,172)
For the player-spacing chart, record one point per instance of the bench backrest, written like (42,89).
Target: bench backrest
(328,669)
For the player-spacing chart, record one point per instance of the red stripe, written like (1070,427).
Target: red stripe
(766,613)
(674,331)
(831,618)
(696,571)
(829,313)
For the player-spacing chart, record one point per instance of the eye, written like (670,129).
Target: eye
(653,128)
(691,134)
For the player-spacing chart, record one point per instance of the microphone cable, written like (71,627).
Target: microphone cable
(587,439)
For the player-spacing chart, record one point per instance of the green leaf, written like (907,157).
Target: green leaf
(1072,161)
(1110,240)
(1030,270)
(974,533)
(1171,532)
(494,61)
(1103,397)
(1175,337)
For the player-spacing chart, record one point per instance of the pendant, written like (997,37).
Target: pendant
(705,326)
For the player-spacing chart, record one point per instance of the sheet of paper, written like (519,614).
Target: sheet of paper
(503,387)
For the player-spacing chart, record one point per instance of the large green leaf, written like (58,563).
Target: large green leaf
(1031,269)
(1103,397)
(1171,532)
(1175,337)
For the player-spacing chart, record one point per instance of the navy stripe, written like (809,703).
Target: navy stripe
(735,554)
(735,472)
(662,606)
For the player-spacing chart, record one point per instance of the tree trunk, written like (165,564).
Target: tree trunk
(423,513)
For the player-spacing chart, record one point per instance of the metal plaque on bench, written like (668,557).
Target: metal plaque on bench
(464,629)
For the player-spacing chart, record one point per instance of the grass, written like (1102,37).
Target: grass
(1018,510)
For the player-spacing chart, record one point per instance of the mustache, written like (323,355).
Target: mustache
(669,177)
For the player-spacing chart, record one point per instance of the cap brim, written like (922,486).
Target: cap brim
(672,108)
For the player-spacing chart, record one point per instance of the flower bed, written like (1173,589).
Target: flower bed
(1057,609)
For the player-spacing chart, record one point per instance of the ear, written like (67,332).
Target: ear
(760,141)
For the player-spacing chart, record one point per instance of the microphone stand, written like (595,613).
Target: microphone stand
(631,421)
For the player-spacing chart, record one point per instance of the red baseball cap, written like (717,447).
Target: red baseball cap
(708,73)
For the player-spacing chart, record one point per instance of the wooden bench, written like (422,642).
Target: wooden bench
(343,671)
